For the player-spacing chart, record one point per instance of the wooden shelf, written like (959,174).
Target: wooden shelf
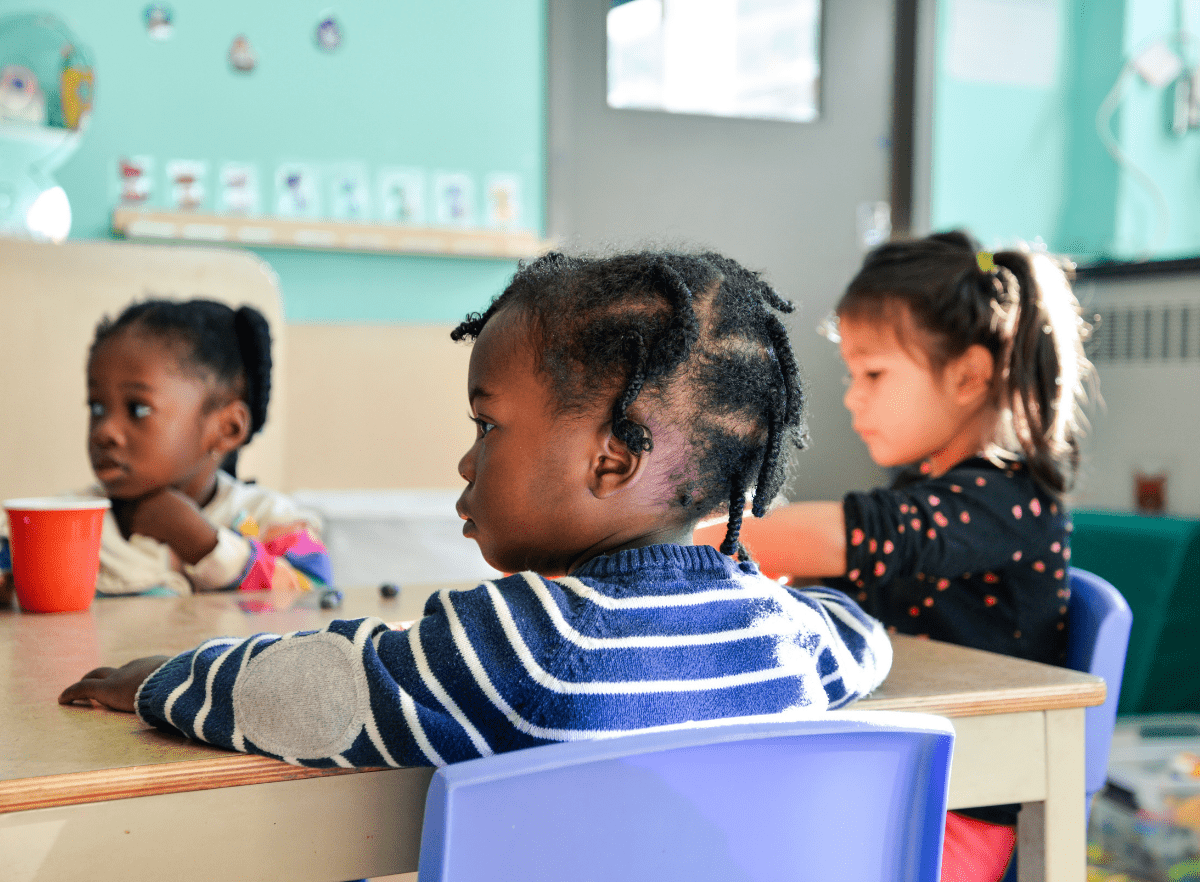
(326,235)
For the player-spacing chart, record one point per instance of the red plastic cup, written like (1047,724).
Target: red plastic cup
(55,547)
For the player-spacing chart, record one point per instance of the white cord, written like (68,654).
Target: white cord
(1104,114)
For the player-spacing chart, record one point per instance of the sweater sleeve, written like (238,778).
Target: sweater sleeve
(355,694)
(857,655)
(285,557)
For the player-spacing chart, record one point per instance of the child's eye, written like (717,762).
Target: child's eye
(482,426)
(139,411)
(96,410)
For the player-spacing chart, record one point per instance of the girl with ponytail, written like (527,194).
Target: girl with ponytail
(967,369)
(175,390)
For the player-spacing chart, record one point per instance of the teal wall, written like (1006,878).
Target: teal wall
(998,151)
(456,86)
(1022,163)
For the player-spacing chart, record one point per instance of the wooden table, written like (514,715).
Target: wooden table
(94,794)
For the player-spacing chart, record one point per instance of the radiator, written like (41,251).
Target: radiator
(1145,345)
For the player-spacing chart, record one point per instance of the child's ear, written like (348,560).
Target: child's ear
(974,371)
(229,426)
(614,467)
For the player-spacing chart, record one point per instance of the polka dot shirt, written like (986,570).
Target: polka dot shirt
(977,557)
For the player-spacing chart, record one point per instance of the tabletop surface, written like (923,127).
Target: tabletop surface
(56,755)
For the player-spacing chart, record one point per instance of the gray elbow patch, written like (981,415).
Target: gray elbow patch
(303,697)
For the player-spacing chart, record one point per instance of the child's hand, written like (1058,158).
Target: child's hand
(173,518)
(114,688)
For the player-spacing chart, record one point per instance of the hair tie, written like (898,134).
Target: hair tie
(985,261)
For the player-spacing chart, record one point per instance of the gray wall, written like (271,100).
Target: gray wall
(780,197)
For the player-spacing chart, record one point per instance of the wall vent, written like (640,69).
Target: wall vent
(1145,332)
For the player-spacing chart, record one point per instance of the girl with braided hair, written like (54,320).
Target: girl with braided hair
(617,401)
(966,368)
(175,389)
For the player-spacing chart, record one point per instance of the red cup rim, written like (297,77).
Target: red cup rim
(56,503)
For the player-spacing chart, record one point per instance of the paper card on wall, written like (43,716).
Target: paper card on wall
(242,56)
(186,179)
(329,33)
(1011,42)
(349,192)
(402,195)
(135,180)
(296,190)
(503,200)
(239,189)
(159,21)
(453,199)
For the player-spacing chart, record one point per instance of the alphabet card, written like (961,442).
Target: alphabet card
(297,191)
(453,199)
(186,183)
(402,195)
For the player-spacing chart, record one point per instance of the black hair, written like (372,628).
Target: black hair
(232,345)
(1016,304)
(697,336)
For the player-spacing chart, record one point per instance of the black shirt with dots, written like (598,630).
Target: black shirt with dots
(976,557)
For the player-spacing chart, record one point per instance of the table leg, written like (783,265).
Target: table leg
(1052,835)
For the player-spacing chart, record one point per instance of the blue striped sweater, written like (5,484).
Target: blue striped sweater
(647,638)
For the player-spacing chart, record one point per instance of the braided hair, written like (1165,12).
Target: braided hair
(1017,305)
(233,345)
(694,337)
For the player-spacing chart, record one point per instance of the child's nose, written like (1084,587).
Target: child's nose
(104,432)
(466,466)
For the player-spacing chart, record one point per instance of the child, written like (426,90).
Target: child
(969,368)
(175,389)
(617,401)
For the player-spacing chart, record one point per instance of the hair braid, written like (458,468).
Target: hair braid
(631,434)
(737,505)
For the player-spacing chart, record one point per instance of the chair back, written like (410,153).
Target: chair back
(841,796)
(1098,624)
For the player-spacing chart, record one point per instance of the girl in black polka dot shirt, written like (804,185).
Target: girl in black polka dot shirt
(967,369)
(975,556)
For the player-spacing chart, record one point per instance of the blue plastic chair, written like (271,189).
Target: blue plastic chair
(842,796)
(1098,625)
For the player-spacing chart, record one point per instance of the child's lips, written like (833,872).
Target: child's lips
(468,524)
(108,470)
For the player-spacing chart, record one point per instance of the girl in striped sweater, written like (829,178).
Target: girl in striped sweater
(617,402)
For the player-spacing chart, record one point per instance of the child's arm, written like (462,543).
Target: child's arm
(353,694)
(172,518)
(859,653)
(286,556)
(805,539)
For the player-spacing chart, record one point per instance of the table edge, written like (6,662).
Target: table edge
(180,776)
(974,704)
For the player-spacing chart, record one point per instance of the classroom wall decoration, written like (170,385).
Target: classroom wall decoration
(373,112)
(47,86)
